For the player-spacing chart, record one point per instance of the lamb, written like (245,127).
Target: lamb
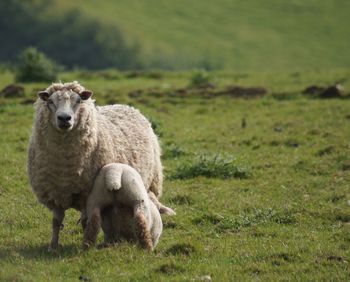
(132,215)
(73,139)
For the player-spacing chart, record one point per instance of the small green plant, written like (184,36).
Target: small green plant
(246,219)
(156,126)
(217,166)
(200,78)
(34,66)
(256,217)
(182,200)
(172,151)
(170,269)
(181,249)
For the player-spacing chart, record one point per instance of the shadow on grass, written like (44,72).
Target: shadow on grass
(40,252)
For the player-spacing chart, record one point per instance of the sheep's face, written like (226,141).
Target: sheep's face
(64,107)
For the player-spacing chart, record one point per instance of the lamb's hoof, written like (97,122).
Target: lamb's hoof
(167,211)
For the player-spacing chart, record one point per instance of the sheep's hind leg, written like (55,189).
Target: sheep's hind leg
(142,233)
(58,216)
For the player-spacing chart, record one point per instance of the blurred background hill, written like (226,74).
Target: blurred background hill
(249,35)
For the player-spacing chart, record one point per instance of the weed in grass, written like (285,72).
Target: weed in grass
(292,143)
(285,96)
(84,278)
(181,249)
(301,166)
(326,151)
(336,198)
(342,216)
(200,78)
(169,224)
(345,165)
(170,269)
(208,219)
(182,200)
(231,224)
(172,151)
(156,126)
(281,258)
(143,101)
(217,166)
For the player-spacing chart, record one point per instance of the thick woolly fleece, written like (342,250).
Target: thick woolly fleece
(133,215)
(62,166)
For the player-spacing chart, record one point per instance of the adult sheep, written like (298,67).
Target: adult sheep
(73,139)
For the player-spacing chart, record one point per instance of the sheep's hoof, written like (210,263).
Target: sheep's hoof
(86,246)
(167,211)
(106,245)
(53,248)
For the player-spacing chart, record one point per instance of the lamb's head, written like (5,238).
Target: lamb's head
(64,102)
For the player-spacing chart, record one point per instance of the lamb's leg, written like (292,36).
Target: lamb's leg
(58,216)
(107,225)
(92,227)
(97,200)
(162,209)
(141,230)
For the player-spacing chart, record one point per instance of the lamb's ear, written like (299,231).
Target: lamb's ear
(44,95)
(86,94)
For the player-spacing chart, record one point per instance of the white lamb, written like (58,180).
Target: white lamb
(133,216)
(72,140)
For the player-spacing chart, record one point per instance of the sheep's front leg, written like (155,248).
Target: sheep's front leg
(92,228)
(162,209)
(58,216)
(83,219)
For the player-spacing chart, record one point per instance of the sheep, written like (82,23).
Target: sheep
(131,214)
(72,139)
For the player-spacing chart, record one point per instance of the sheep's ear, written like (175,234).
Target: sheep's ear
(86,94)
(44,95)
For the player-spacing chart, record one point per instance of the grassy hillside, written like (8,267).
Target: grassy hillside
(288,218)
(240,35)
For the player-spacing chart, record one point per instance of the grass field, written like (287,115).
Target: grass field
(285,216)
(236,35)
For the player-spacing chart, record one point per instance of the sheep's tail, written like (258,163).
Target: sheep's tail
(91,230)
(142,233)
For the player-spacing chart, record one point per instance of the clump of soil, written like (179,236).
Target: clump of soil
(245,92)
(332,91)
(12,91)
(205,91)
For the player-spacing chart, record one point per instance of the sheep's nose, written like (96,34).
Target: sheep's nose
(64,117)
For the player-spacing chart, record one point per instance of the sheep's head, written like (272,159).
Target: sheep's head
(64,102)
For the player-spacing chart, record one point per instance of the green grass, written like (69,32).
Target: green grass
(289,220)
(231,34)
(216,166)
